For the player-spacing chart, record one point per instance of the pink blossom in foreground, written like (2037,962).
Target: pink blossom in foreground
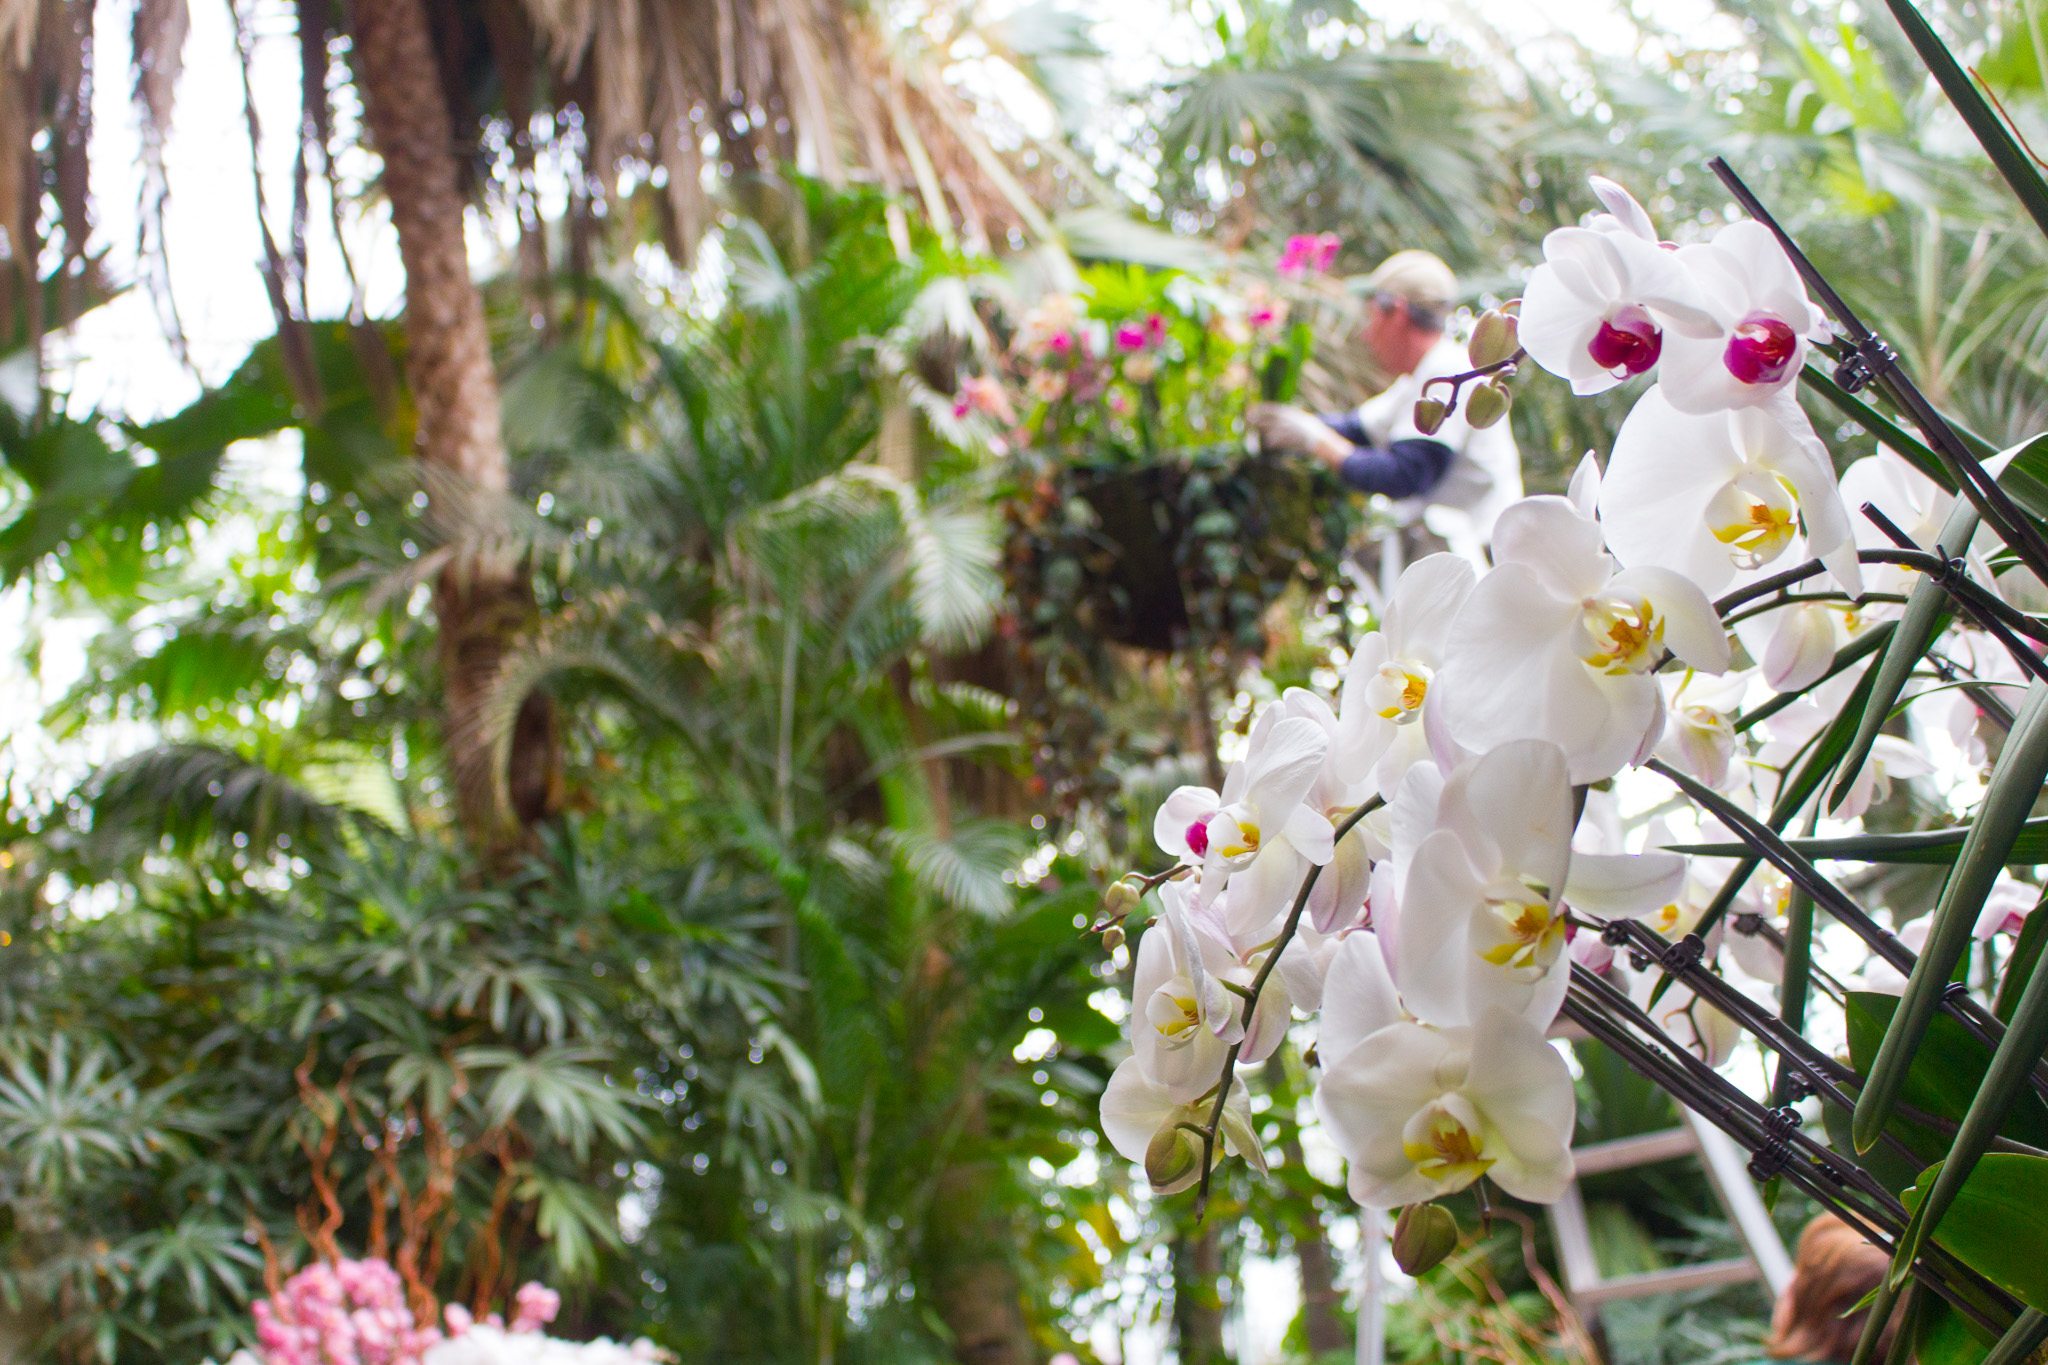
(355,1313)
(534,1306)
(347,1313)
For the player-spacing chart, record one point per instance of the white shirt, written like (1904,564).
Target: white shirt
(1485,472)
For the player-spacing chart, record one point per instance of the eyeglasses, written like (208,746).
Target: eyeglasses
(1421,315)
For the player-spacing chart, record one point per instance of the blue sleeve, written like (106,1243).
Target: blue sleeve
(1347,425)
(1405,469)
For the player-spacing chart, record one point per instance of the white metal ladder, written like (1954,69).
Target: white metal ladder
(1727,1171)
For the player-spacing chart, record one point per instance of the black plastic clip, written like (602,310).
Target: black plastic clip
(1775,1152)
(1683,955)
(1858,369)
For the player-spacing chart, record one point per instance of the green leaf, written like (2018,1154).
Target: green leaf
(1999,1222)
(2014,786)
(1915,848)
(1943,1080)
(2007,155)
(2003,1091)
(2025,476)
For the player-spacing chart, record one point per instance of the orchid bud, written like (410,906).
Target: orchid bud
(1493,339)
(1171,1158)
(1112,938)
(1119,900)
(1423,1235)
(1430,414)
(1488,404)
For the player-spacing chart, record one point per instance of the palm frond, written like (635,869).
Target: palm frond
(966,870)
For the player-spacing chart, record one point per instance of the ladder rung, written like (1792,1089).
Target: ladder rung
(1641,1150)
(1703,1276)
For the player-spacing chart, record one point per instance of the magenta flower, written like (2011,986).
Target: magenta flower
(1130,336)
(1304,255)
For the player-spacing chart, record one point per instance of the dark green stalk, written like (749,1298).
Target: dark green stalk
(2012,1067)
(1927,610)
(2015,784)
(2017,1346)
(2007,155)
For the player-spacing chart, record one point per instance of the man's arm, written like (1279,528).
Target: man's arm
(1399,469)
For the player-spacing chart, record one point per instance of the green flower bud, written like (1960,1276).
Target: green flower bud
(1423,1236)
(1119,900)
(1488,404)
(1430,414)
(1173,1159)
(1112,938)
(1493,339)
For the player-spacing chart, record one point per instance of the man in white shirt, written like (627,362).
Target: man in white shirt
(1456,479)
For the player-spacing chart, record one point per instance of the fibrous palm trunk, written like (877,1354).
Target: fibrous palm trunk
(484,598)
(1197,1305)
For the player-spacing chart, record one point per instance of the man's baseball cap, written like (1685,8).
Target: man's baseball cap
(1416,276)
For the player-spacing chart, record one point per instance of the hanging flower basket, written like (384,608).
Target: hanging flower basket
(1191,548)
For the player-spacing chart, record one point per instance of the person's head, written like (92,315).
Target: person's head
(1407,301)
(1833,1269)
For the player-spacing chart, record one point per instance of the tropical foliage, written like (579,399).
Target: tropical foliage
(604,777)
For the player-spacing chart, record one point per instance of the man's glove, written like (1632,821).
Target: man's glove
(1279,427)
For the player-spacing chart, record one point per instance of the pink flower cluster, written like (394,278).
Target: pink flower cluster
(1136,336)
(354,1313)
(1305,254)
(346,1313)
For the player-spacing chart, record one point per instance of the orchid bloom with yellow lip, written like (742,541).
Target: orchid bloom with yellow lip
(1559,642)
(1261,826)
(1482,908)
(1391,679)
(1420,1112)
(1722,496)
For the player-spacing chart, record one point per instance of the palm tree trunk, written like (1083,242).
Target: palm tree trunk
(1321,1300)
(1197,1304)
(971,1253)
(484,598)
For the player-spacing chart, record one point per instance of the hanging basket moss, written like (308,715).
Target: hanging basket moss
(1187,549)
(1183,553)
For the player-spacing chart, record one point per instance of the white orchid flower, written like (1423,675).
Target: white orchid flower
(1220,972)
(1794,728)
(1795,645)
(1482,918)
(1595,312)
(1262,804)
(1359,998)
(1381,725)
(1699,727)
(1720,496)
(1558,643)
(1880,976)
(1915,503)
(1180,1010)
(1337,899)
(2006,907)
(1420,1112)
(1767,899)
(1763,324)
(1146,1124)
